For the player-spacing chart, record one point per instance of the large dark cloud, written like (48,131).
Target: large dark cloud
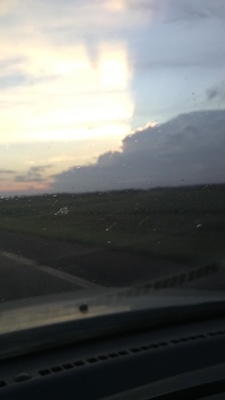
(34,174)
(186,150)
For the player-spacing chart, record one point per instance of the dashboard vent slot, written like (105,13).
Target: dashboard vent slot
(216,333)
(103,358)
(68,366)
(44,372)
(92,360)
(79,363)
(57,369)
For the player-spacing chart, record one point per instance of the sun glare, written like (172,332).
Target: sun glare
(113,71)
(115,5)
(66,94)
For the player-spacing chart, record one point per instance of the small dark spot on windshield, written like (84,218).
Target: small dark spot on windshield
(83,308)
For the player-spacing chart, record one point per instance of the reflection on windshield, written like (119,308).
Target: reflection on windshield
(112,142)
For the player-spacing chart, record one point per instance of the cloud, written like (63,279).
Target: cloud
(188,149)
(185,40)
(23,79)
(216,92)
(173,10)
(10,62)
(193,10)
(11,81)
(6,171)
(34,174)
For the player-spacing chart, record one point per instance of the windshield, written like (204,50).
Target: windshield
(112,169)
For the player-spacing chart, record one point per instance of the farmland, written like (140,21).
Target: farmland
(180,224)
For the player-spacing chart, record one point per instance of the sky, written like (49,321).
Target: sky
(82,82)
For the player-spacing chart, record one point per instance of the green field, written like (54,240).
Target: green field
(174,223)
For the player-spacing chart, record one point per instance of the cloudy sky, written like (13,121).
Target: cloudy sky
(90,93)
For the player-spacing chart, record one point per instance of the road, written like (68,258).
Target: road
(19,280)
(34,266)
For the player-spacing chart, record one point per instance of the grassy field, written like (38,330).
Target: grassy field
(175,223)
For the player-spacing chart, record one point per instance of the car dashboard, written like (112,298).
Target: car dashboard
(169,362)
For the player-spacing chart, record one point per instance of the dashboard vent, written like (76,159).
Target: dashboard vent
(127,352)
(55,369)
